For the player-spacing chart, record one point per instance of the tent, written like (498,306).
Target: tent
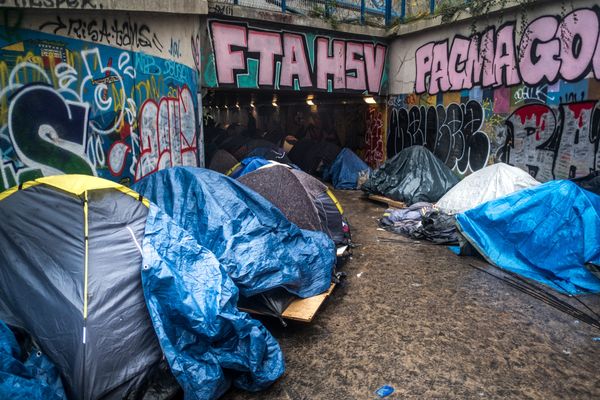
(304,200)
(222,161)
(484,185)
(108,285)
(250,164)
(589,182)
(259,248)
(313,156)
(547,233)
(412,176)
(272,154)
(345,170)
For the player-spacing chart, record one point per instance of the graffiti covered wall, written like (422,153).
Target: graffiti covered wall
(110,96)
(525,92)
(240,55)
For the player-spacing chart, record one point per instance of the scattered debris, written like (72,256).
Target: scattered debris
(359,274)
(384,391)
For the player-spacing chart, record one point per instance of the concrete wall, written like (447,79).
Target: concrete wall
(499,92)
(109,93)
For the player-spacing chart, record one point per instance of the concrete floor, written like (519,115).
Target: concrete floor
(420,319)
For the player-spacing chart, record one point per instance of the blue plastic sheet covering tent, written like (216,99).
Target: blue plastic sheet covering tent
(34,378)
(344,171)
(192,301)
(546,233)
(255,243)
(250,164)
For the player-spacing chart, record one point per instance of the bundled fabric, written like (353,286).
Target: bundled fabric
(260,249)
(412,176)
(345,171)
(547,233)
(29,376)
(437,227)
(304,200)
(71,276)
(405,221)
(421,221)
(589,182)
(484,185)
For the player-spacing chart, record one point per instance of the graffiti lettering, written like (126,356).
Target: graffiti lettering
(79,113)
(551,48)
(115,32)
(553,143)
(175,48)
(374,137)
(222,9)
(284,61)
(79,4)
(452,133)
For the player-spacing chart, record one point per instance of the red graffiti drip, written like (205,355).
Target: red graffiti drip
(542,128)
(534,110)
(578,108)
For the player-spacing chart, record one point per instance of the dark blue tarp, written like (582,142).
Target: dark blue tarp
(546,233)
(344,171)
(192,301)
(35,378)
(255,243)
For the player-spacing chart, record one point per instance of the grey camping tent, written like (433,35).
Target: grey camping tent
(44,235)
(304,200)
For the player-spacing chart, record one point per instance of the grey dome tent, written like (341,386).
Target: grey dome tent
(100,335)
(304,200)
(411,176)
(123,301)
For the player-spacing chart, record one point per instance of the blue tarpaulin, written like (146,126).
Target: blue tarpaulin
(546,233)
(248,165)
(192,302)
(344,171)
(35,378)
(252,239)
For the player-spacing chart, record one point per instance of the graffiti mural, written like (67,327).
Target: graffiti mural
(70,106)
(452,133)
(374,153)
(552,48)
(553,142)
(249,57)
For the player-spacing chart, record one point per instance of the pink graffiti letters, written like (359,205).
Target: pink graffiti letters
(551,48)
(286,60)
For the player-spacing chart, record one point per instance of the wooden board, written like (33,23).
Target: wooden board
(304,310)
(385,200)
